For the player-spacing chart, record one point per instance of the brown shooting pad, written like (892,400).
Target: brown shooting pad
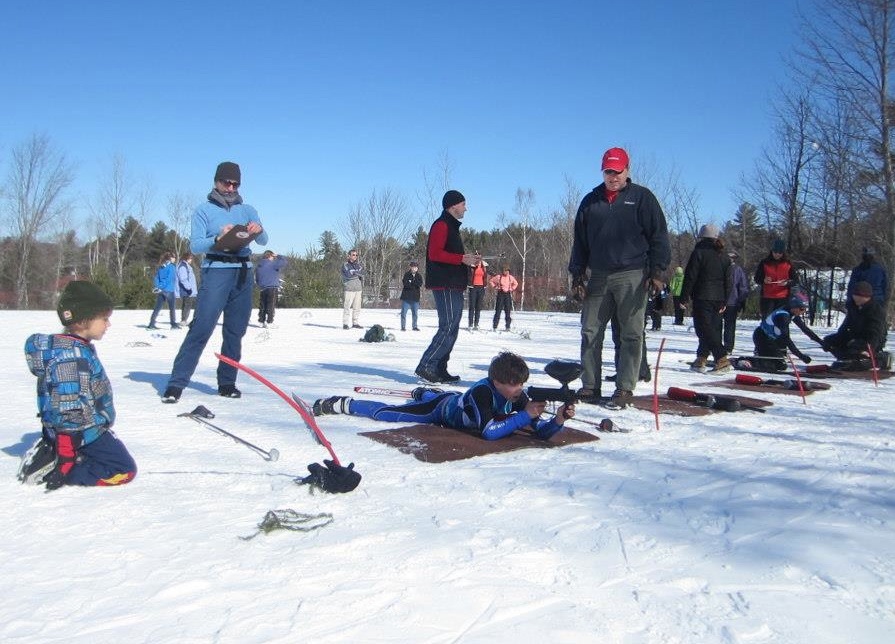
(437,444)
(770,389)
(684,408)
(847,375)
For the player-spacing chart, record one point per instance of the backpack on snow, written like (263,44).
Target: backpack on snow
(375,333)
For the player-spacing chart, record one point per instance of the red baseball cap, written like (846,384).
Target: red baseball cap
(615,159)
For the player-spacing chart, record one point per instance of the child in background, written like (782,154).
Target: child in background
(492,408)
(74,399)
(772,337)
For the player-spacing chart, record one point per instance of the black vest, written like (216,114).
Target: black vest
(439,274)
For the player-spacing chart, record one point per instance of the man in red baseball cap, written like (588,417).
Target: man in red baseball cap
(621,237)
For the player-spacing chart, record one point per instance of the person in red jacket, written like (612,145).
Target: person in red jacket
(775,275)
(478,280)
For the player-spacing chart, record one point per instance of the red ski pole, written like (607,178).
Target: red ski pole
(871,352)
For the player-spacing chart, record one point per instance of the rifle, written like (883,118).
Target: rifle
(563,371)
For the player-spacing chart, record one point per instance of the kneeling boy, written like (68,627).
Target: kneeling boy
(74,399)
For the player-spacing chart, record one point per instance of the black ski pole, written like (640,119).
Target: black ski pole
(201,414)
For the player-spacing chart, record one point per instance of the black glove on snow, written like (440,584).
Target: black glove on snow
(332,478)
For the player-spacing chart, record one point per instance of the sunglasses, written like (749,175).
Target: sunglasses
(231,184)
(611,173)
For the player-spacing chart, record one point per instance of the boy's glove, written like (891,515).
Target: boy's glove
(332,478)
(56,478)
(418,392)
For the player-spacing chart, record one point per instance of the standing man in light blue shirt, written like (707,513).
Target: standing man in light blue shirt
(227,281)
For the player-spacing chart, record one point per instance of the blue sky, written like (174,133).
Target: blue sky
(323,102)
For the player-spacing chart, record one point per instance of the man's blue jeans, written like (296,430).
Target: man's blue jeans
(221,291)
(414,310)
(449,305)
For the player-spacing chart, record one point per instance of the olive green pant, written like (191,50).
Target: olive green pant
(622,293)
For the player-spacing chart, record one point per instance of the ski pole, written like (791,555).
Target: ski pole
(873,365)
(656,383)
(201,415)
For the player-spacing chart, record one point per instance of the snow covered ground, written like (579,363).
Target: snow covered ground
(741,527)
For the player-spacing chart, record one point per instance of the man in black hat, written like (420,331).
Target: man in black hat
(863,331)
(446,275)
(227,280)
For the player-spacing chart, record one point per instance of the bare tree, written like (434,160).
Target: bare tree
(114,204)
(180,209)
(521,233)
(378,228)
(847,53)
(435,184)
(38,177)
(781,181)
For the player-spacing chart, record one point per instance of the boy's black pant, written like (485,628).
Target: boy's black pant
(767,348)
(730,327)
(267,304)
(505,304)
(476,297)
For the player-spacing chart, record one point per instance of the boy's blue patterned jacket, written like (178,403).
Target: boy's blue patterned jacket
(74,395)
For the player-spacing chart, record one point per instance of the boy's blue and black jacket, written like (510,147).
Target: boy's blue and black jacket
(74,396)
(480,410)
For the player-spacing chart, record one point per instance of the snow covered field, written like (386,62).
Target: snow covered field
(743,527)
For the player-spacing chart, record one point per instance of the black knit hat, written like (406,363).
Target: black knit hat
(452,198)
(81,301)
(228,171)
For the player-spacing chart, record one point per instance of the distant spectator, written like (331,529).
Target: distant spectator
(186,286)
(739,292)
(164,286)
(505,285)
(675,286)
(707,283)
(268,277)
(478,280)
(411,284)
(353,283)
(775,275)
(655,305)
(872,272)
